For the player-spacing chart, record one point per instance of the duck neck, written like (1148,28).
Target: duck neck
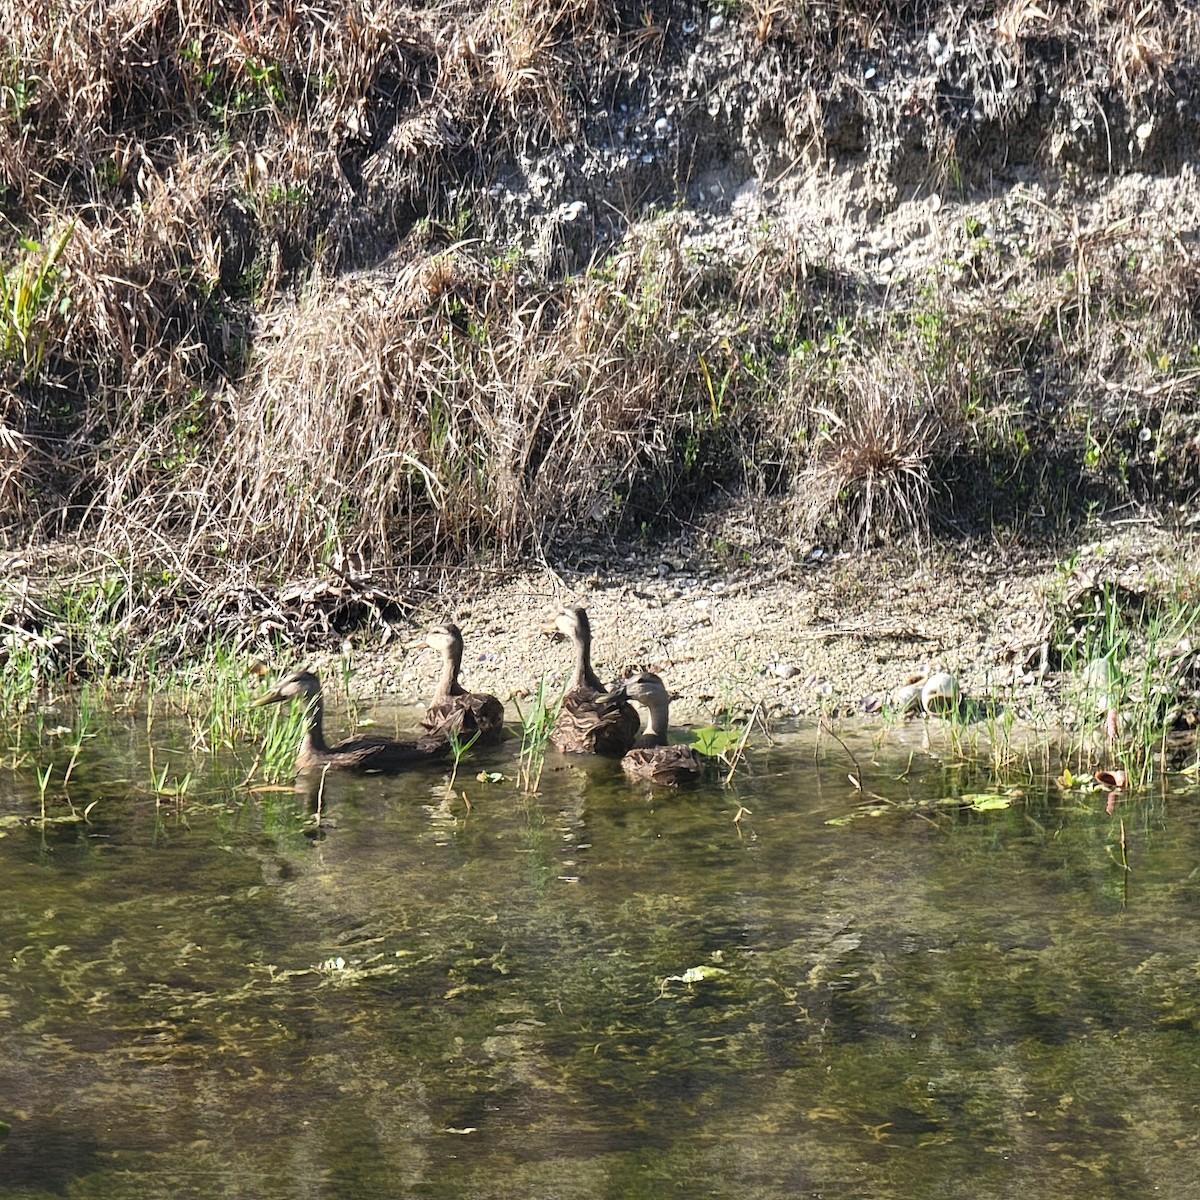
(448,685)
(314,730)
(656,727)
(583,675)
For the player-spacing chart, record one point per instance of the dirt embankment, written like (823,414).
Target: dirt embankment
(496,277)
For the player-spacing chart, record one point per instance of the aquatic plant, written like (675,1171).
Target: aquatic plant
(536,725)
(22,670)
(458,748)
(279,729)
(1129,656)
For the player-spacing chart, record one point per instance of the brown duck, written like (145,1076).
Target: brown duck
(367,752)
(652,757)
(589,722)
(453,709)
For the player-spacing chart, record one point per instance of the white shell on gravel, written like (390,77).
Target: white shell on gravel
(940,693)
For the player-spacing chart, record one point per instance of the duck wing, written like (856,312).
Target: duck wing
(592,723)
(467,715)
(668,766)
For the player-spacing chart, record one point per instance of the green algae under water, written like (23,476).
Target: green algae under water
(596,991)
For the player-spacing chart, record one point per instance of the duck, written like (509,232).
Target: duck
(453,709)
(652,757)
(367,752)
(589,721)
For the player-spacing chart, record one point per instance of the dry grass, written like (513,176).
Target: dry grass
(229,379)
(869,469)
(428,411)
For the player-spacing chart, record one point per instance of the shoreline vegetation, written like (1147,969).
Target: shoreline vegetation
(315,325)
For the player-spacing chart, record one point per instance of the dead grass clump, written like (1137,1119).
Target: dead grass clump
(444,409)
(869,472)
(1139,45)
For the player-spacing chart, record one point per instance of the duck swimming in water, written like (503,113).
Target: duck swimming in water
(652,757)
(453,709)
(367,752)
(589,721)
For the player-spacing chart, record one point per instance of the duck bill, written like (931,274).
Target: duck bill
(272,697)
(616,696)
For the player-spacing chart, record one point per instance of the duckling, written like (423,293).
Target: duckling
(652,758)
(588,721)
(368,752)
(453,709)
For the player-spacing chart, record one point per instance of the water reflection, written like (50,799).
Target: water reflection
(602,989)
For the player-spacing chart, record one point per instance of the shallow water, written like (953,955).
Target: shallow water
(597,991)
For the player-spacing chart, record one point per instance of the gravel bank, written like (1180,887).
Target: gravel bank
(822,635)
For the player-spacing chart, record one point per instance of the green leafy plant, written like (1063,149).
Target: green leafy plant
(30,299)
(536,725)
(458,748)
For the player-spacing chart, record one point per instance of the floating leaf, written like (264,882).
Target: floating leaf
(696,975)
(713,741)
(986,801)
(490,776)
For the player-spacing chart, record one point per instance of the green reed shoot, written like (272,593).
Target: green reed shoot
(459,747)
(346,672)
(222,718)
(280,728)
(535,735)
(20,677)
(83,720)
(159,787)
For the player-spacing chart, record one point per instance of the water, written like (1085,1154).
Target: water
(596,991)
